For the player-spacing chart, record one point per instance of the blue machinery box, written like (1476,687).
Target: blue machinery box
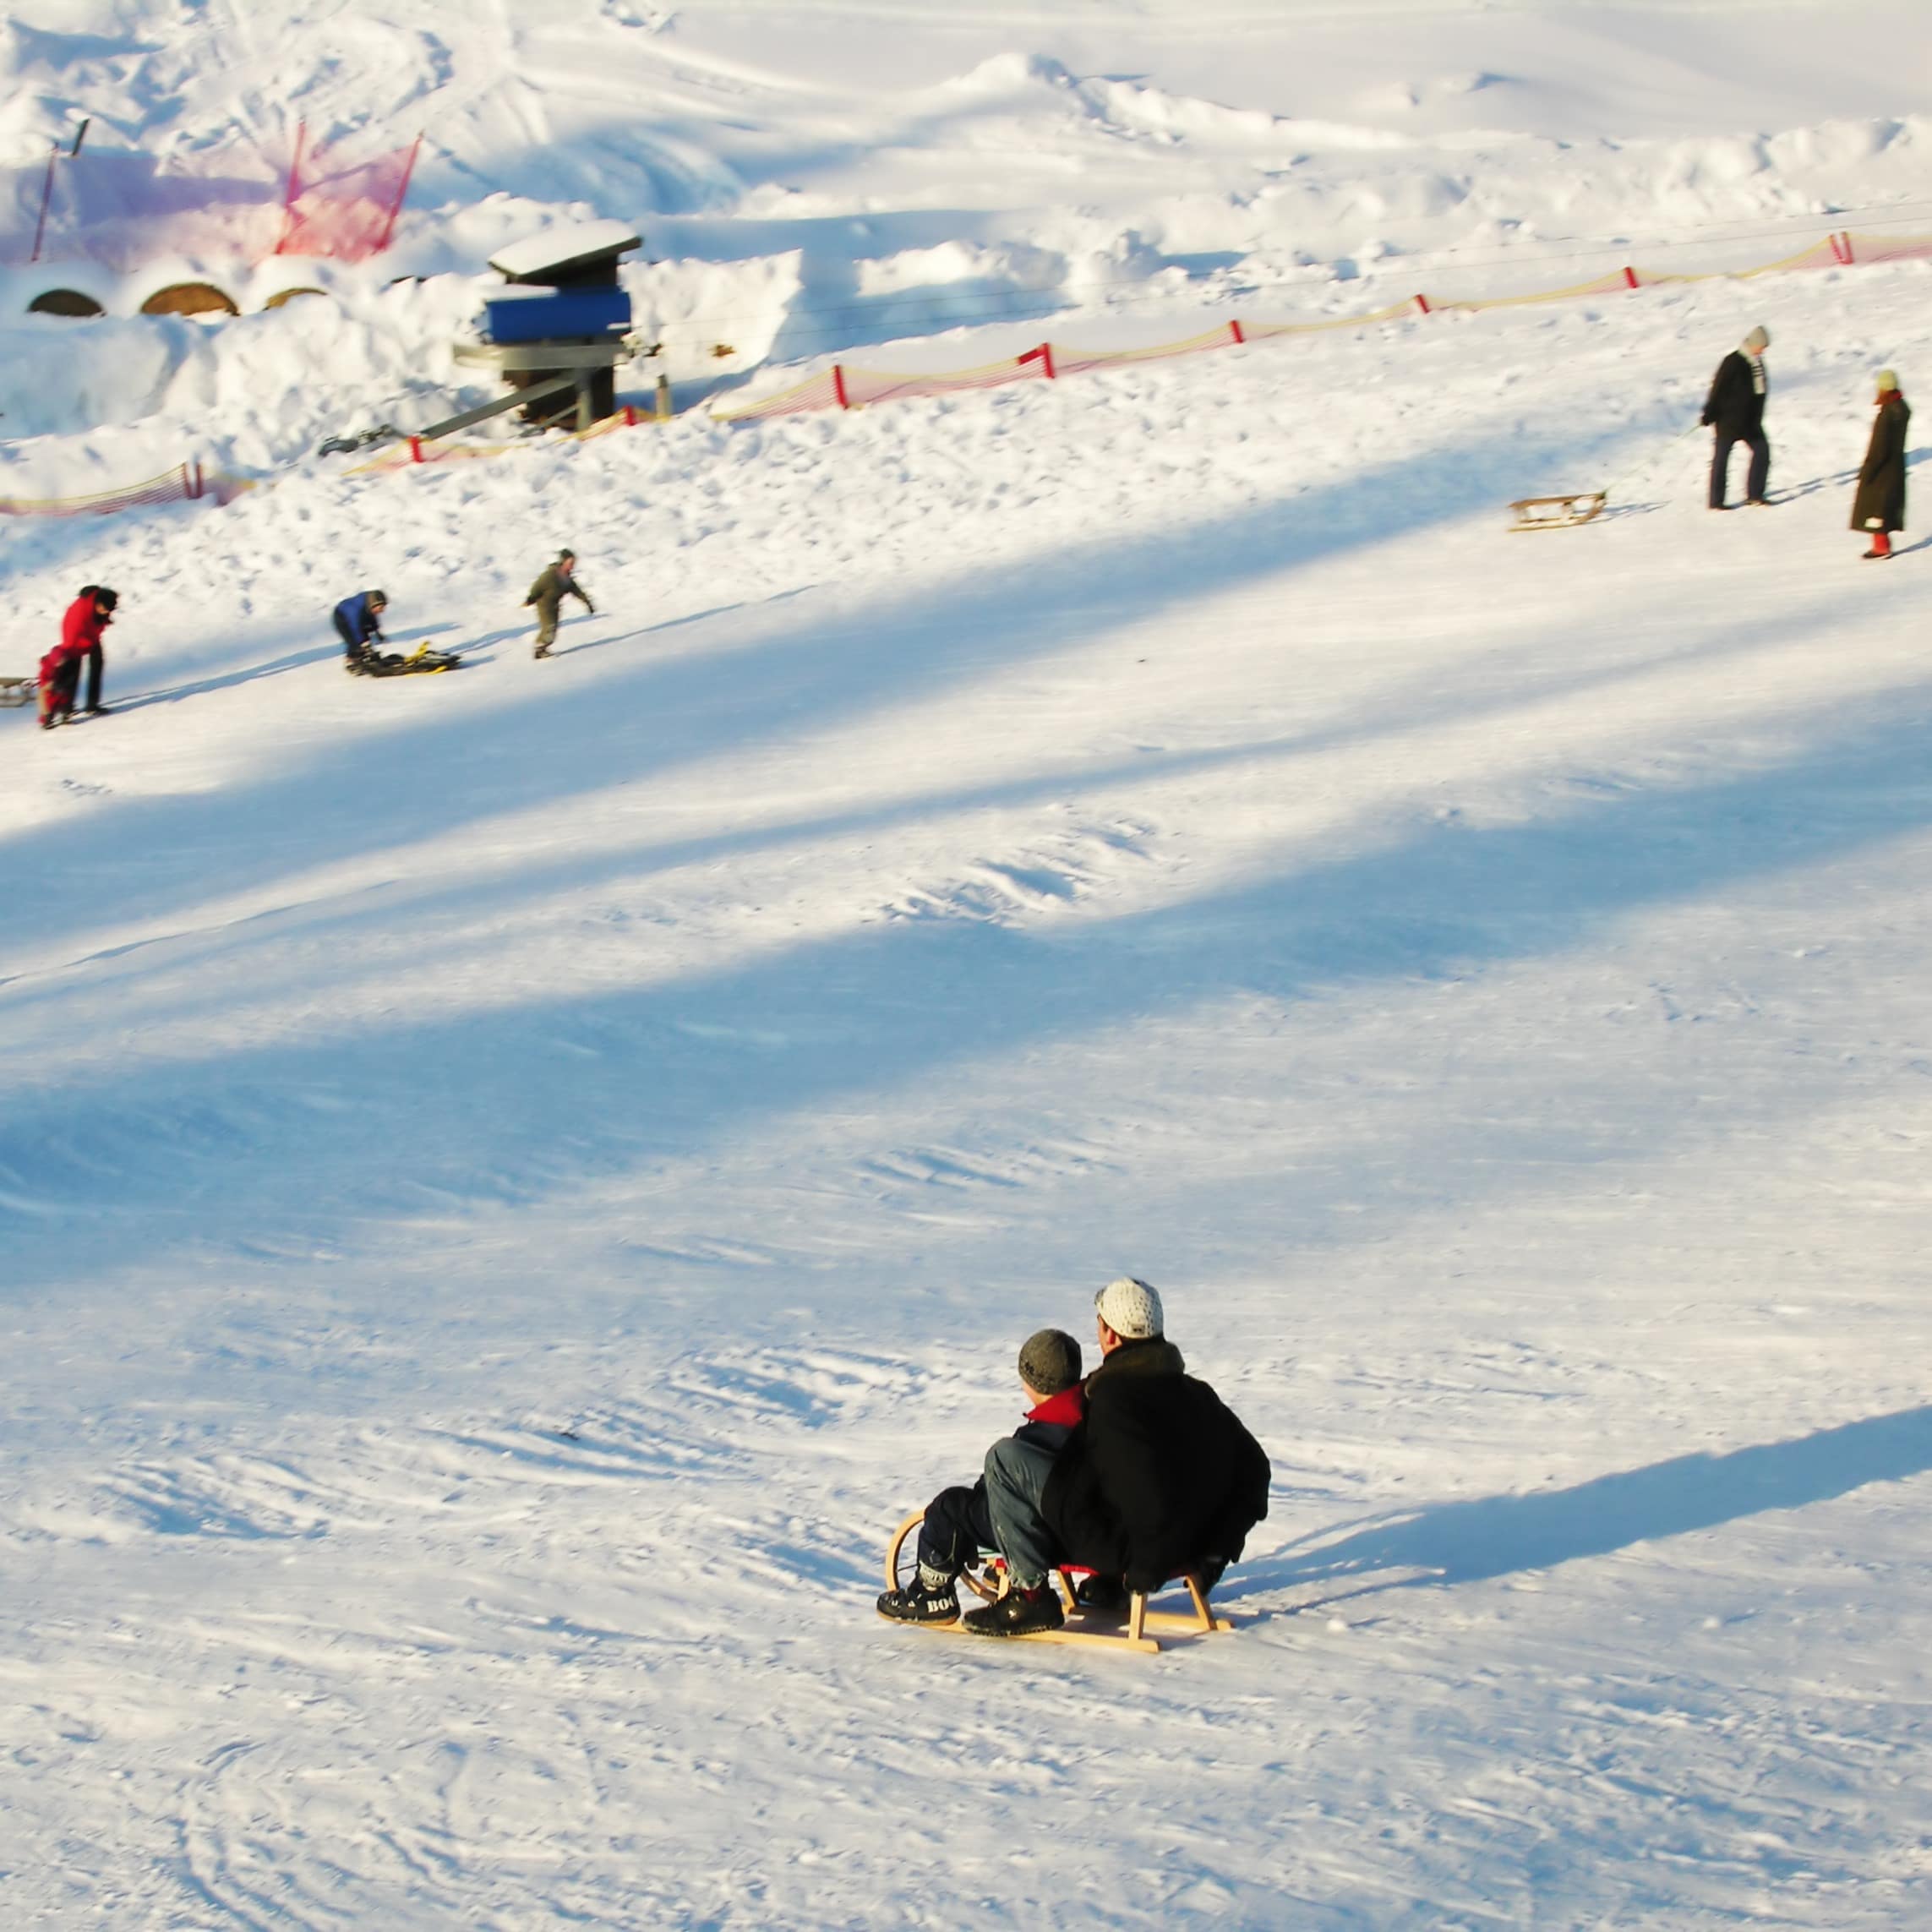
(562,312)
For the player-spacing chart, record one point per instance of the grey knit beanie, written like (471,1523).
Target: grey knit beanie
(1130,1307)
(1759,340)
(1050,1361)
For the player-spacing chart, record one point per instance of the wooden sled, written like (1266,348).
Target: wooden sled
(1557,512)
(1083,1626)
(17,690)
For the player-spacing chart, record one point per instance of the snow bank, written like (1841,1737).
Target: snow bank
(807,185)
(511,1184)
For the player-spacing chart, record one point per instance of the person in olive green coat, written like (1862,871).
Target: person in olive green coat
(548,594)
(1879,507)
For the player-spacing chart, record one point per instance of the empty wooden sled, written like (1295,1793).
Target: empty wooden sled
(1558,512)
(17,690)
(1098,1630)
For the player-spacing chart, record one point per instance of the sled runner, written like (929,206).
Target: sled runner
(393,664)
(17,690)
(1096,1628)
(1558,512)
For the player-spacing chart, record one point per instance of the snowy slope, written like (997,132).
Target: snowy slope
(810,178)
(510,1184)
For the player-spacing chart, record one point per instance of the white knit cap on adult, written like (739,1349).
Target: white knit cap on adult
(1130,1308)
(1887,381)
(1759,340)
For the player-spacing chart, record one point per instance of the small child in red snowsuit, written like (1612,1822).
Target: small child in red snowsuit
(80,630)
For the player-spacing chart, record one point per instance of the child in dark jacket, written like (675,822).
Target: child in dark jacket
(962,1521)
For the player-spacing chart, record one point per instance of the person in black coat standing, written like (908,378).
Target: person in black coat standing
(1735,410)
(1159,1479)
(1879,507)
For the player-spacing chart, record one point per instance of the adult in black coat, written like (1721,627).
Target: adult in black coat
(1735,413)
(1161,1478)
(1879,507)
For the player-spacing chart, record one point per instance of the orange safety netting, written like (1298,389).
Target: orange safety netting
(842,387)
(171,486)
(186,483)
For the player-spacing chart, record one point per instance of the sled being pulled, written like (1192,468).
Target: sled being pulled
(393,664)
(1558,512)
(17,690)
(1132,1629)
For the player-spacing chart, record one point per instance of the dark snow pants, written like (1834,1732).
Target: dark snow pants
(1758,477)
(91,658)
(958,1526)
(351,643)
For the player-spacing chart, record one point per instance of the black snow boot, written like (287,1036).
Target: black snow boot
(921,1603)
(1105,1594)
(1018,1613)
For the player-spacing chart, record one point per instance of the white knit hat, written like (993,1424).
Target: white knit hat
(1130,1308)
(1887,381)
(1759,340)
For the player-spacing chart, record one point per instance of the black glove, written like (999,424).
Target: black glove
(1705,419)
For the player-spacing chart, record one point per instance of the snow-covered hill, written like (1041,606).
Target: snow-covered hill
(510,1184)
(813,177)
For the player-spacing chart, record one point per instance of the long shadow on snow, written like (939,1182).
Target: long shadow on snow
(552,745)
(1503,1536)
(1522,676)
(516,1104)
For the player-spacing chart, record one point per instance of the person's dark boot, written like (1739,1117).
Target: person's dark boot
(1106,1595)
(921,1603)
(1018,1613)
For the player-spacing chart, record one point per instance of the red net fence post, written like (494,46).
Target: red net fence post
(401,189)
(838,387)
(293,190)
(1235,335)
(345,211)
(1044,355)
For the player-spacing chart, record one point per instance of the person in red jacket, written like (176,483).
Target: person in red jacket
(80,631)
(963,1522)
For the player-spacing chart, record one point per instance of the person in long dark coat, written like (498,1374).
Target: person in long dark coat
(1735,410)
(1159,1479)
(1879,507)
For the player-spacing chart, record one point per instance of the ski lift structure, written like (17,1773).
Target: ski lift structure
(560,328)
